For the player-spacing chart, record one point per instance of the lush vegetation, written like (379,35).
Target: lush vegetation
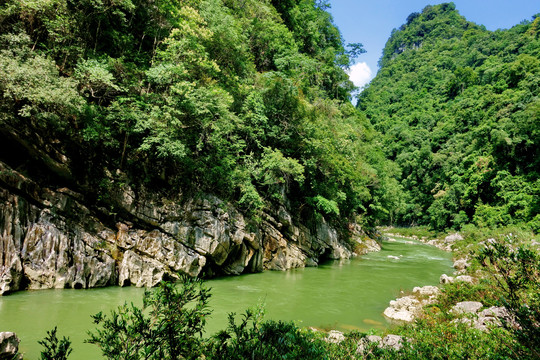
(248,100)
(459,110)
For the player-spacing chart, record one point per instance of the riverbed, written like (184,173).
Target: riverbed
(344,295)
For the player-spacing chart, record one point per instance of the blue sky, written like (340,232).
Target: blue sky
(370,22)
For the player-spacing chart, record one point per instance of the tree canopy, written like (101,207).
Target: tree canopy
(245,99)
(458,108)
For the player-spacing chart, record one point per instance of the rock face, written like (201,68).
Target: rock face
(53,238)
(9,346)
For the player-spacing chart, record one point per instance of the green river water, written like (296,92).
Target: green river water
(343,295)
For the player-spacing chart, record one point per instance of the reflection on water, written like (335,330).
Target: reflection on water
(345,295)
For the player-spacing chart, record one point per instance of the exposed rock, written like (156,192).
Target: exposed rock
(488,318)
(466,307)
(406,308)
(365,343)
(50,238)
(492,317)
(444,244)
(465,278)
(54,258)
(394,342)
(447,243)
(403,309)
(329,237)
(373,338)
(453,238)
(9,346)
(445,279)
(495,312)
(363,244)
(335,336)
(461,264)
(426,290)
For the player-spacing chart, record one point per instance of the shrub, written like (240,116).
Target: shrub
(254,339)
(172,330)
(516,270)
(54,348)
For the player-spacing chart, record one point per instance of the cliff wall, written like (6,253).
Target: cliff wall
(53,238)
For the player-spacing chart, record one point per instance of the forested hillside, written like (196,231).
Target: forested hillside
(459,111)
(144,138)
(244,99)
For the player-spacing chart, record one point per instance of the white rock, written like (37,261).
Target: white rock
(466,307)
(465,278)
(426,290)
(335,336)
(392,341)
(445,279)
(365,342)
(453,238)
(461,264)
(399,315)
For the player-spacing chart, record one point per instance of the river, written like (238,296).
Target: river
(343,295)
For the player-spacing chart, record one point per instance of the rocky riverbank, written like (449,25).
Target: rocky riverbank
(408,308)
(52,237)
(443,244)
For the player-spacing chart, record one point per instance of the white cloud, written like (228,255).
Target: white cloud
(360,74)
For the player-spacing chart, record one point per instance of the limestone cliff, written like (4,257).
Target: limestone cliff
(54,238)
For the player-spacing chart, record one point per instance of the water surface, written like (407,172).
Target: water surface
(344,295)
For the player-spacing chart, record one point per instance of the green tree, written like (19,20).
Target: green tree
(516,271)
(54,348)
(169,326)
